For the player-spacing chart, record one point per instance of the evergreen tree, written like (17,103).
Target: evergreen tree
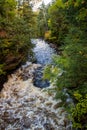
(57,23)
(70,69)
(42,19)
(15,34)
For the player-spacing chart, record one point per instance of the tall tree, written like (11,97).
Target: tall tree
(57,23)
(15,34)
(42,20)
(70,69)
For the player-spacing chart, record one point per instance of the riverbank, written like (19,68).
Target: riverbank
(42,51)
(27,107)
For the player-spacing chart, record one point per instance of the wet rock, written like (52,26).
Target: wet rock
(49,104)
(41,99)
(48,126)
(56,106)
(3,125)
(38,129)
(26,122)
(69,127)
(27,64)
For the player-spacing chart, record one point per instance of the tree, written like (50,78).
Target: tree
(42,18)
(57,23)
(15,34)
(70,69)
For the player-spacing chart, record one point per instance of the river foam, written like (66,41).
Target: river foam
(26,107)
(23,106)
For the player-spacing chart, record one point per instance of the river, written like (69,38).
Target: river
(43,52)
(27,105)
(43,55)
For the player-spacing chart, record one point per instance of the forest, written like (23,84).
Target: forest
(62,23)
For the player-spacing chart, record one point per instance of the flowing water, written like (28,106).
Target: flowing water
(43,52)
(26,107)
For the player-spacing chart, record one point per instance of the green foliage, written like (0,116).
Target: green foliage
(1,69)
(42,19)
(57,23)
(15,34)
(53,71)
(7,8)
(79,112)
(73,61)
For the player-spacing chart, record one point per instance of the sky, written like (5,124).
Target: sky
(39,3)
(46,1)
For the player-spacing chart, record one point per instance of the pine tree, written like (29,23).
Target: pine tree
(73,62)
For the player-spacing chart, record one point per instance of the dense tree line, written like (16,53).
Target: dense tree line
(64,23)
(68,30)
(16,28)
(41,21)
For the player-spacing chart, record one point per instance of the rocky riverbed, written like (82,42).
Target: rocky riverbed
(26,107)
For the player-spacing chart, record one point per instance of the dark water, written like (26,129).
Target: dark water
(38,79)
(43,54)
